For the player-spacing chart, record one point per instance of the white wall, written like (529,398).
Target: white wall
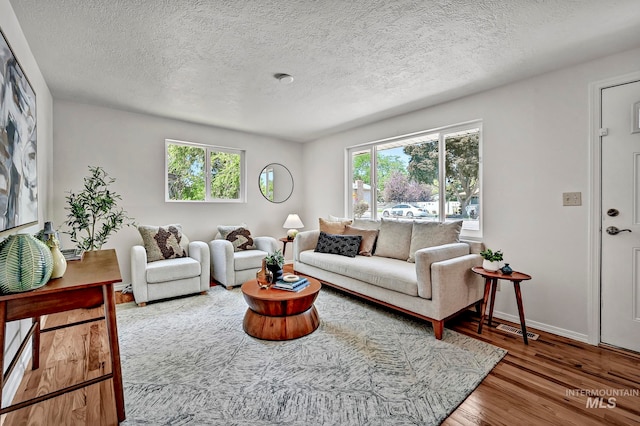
(131,148)
(17,330)
(535,147)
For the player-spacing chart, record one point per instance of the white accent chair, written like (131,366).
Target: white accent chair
(168,278)
(231,268)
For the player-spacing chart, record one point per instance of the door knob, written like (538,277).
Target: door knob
(612,230)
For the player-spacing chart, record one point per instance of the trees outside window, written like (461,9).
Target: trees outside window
(205,173)
(436,171)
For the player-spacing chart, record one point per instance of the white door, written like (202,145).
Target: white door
(620,279)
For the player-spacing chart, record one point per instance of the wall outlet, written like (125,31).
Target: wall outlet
(572,198)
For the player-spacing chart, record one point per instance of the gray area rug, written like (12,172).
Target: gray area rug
(188,362)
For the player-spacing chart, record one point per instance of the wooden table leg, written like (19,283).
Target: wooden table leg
(494,287)
(516,287)
(3,316)
(35,345)
(114,348)
(483,308)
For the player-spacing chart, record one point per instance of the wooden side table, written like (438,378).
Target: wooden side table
(491,283)
(285,240)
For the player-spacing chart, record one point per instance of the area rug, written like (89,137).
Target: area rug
(188,362)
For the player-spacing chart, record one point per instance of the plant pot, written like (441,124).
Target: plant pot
(490,266)
(277,272)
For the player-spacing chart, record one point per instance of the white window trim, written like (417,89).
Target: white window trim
(208,149)
(444,130)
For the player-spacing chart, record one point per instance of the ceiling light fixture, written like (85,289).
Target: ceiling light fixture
(284,78)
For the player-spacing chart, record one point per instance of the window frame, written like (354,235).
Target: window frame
(442,132)
(208,149)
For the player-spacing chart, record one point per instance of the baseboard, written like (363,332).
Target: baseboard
(544,327)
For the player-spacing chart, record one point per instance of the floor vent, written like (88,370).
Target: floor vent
(517,331)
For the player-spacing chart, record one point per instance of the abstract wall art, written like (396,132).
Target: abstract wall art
(18,143)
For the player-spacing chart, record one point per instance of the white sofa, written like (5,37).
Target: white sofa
(232,268)
(168,278)
(437,286)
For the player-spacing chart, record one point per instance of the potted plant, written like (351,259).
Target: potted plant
(93,212)
(491,260)
(275,262)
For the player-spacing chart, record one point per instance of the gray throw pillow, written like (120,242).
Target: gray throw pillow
(162,242)
(431,234)
(344,245)
(394,239)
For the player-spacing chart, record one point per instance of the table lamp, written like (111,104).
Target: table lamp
(293,221)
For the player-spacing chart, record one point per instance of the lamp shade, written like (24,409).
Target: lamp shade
(293,221)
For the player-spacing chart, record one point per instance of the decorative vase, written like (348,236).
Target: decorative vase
(277,272)
(26,263)
(59,261)
(506,269)
(264,276)
(490,266)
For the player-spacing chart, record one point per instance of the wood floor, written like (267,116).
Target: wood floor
(544,383)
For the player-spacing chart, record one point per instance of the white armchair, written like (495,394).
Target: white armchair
(167,278)
(231,268)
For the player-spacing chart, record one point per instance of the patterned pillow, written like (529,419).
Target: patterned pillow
(344,245)
(162,242)
(239,236)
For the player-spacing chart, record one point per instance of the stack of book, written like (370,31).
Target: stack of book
(291,286)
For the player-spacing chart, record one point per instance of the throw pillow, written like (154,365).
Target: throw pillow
(368,239)
(431,234)
(162,242)
(238,236)
(333,227)
(366,224)
(394,239)
(344,245)
(333,218)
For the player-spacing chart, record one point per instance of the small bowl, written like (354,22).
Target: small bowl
(290,278)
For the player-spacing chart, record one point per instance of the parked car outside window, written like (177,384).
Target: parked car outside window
(406,210)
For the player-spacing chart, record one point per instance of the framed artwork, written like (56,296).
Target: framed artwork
(18,143)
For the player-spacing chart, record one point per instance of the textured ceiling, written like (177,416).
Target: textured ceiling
(354,62)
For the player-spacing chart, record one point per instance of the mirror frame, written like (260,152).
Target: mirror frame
(264,170)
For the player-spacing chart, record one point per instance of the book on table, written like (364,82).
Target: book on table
(292,286)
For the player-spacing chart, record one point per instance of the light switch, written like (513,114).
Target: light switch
(572,198)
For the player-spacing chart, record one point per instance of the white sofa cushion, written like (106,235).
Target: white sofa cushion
(392,274)
(172,269)
(431,234)
(248,259)
(394,239)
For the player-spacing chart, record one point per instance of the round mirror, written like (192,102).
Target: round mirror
(276,183)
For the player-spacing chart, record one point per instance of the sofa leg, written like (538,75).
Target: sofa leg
(142,304)
(438,329)
(229,288)
(203,292)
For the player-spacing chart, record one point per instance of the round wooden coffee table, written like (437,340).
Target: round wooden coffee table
(279,314)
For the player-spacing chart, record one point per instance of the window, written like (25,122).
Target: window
(205,173)
(432,175)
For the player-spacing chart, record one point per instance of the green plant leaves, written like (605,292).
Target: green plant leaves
(94,213)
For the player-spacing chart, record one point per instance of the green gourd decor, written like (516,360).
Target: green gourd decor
(25,263)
